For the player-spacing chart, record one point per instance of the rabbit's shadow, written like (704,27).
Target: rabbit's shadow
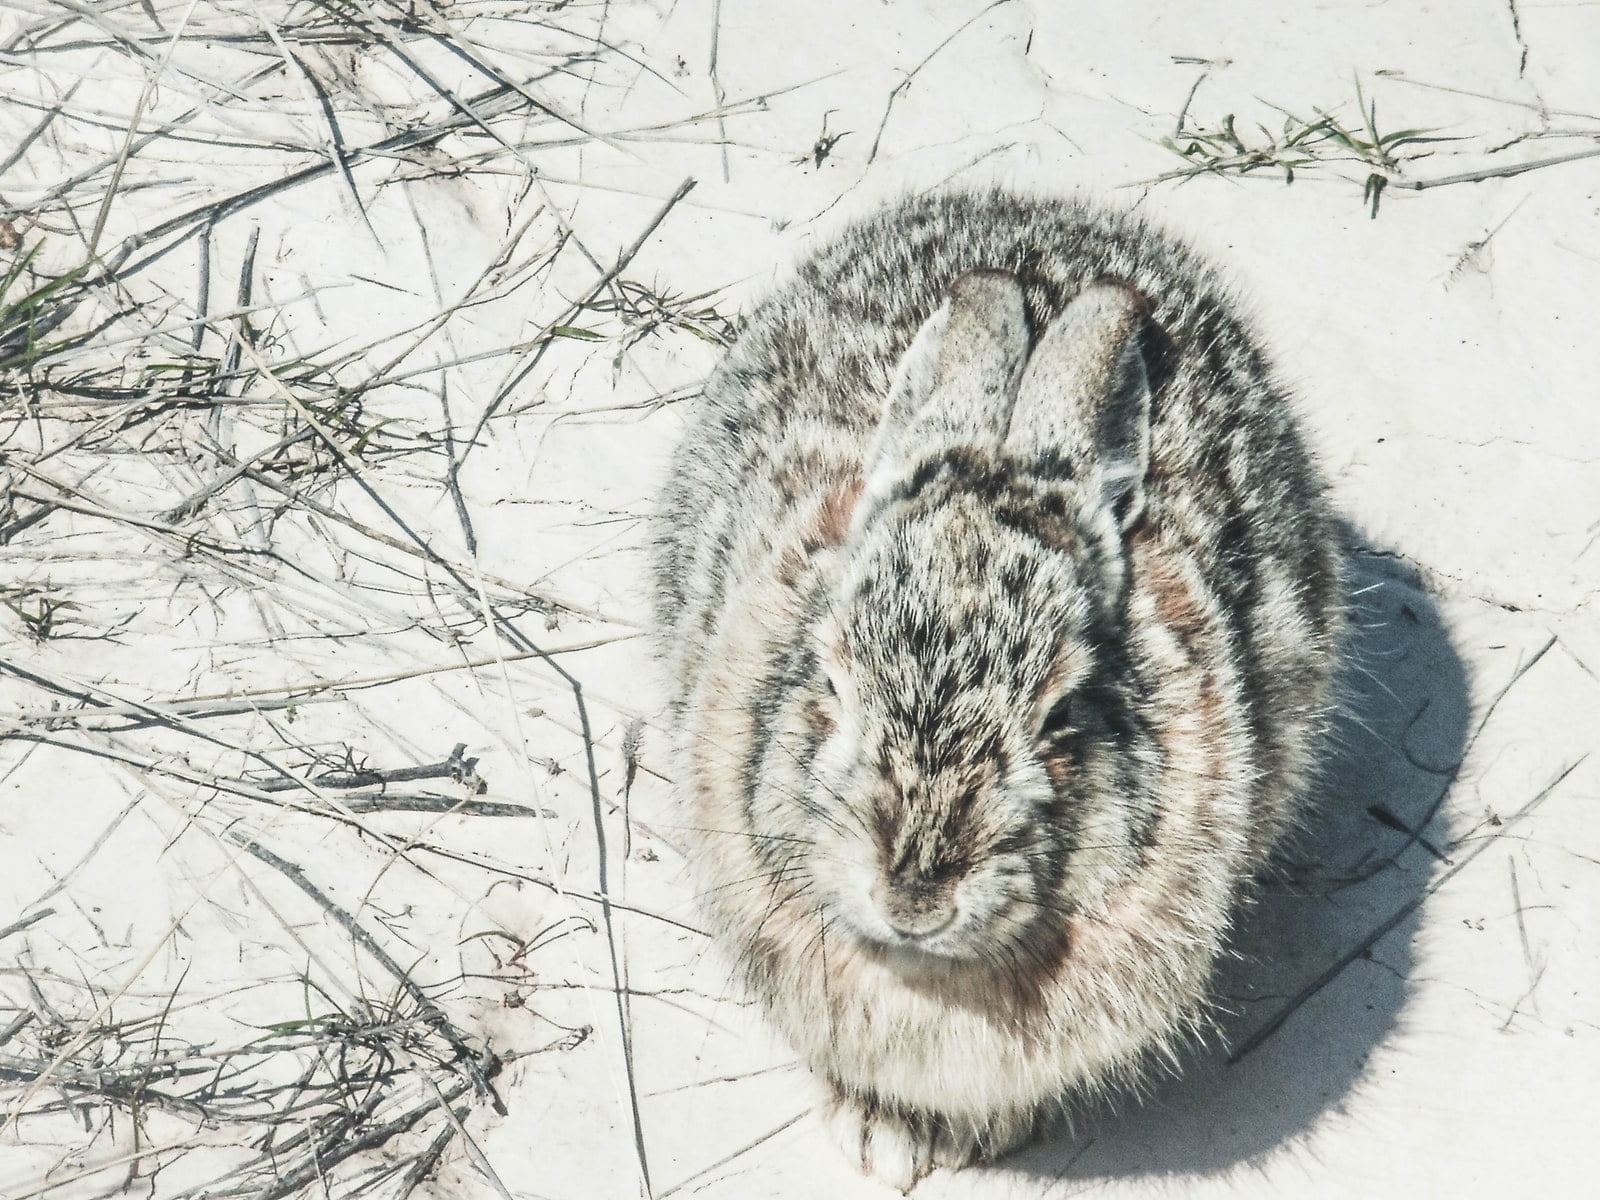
(1301,1027)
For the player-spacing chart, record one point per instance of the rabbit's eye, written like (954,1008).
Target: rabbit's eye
(1059,721)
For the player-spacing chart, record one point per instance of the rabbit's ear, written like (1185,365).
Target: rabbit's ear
(1084,401)
(956,383)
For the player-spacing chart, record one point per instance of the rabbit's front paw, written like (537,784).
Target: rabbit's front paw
(893,1147)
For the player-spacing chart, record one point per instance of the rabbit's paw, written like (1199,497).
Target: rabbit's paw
(878,1141)
(893,1147)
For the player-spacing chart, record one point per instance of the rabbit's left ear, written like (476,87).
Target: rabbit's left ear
(956,383)
(1084,400)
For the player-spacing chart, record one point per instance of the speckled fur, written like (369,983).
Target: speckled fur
(983,722)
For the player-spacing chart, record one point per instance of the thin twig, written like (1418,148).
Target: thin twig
(544,340)
(1505,172)
(905,84)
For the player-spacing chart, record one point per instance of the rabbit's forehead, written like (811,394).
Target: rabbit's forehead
(941,607)
(965,561)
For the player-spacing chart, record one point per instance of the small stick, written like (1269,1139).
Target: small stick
(716,84)
(445,805)
(728,1158)
(298,691)
(452,473)
(34,134)
(17,1023)
(474,1151)
(18,926)
(455,767)
(425,1162)
(1421,185)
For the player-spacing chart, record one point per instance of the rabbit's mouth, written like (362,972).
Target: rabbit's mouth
(965,942)
(920,960)
(966,967)
(933,946)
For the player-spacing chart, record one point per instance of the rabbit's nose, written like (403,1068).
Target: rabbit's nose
(917,911)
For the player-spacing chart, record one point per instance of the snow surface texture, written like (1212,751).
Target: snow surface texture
(332,457)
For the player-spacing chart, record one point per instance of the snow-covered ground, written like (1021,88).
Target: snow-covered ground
(393,311)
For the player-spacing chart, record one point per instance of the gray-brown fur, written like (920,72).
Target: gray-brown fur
(995,655)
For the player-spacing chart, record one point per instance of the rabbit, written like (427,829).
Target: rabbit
(997,597)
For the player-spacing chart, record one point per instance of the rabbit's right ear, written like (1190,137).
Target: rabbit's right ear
(1084,400)
(956,383)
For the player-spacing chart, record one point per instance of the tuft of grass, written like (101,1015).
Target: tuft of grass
(41,611)
(1360,151)
(1326,140)
(648,311)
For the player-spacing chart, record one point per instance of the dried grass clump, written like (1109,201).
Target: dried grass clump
(239,572)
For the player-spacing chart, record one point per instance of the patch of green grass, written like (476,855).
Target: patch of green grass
(1328,140)
(40,611)
(32,305)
